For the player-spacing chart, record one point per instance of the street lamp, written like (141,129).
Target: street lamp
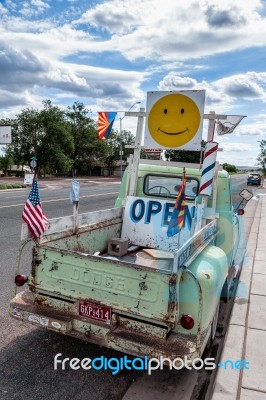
(121,147)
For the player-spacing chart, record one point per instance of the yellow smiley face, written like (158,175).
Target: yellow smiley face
(174,120)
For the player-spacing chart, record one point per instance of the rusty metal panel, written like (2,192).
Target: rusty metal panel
(142,327)
(65,224)
(122,286)
(93,239)
(127,335)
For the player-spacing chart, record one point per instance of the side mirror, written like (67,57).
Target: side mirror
(246,194)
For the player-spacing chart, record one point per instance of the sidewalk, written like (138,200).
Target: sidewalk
(65,182)
(246,334)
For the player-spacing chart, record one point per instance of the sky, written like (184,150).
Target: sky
(109,54)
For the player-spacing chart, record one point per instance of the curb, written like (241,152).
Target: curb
(25,188)
(228,381)
(11,190)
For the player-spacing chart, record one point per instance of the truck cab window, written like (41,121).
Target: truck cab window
(168,186)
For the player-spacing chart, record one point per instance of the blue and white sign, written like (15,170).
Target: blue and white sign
(145,223)
(74,192)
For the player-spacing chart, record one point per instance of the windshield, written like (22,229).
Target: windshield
(168,186)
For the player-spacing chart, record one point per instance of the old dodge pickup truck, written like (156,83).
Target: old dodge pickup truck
(116,278)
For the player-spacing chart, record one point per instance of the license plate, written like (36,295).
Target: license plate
(93,311)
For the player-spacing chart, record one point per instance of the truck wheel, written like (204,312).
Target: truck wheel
(225,292)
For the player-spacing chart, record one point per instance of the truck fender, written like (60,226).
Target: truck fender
(210,269)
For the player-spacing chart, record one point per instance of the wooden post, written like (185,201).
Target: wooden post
(211,126)
(74,198)
(136,157)
(75,216)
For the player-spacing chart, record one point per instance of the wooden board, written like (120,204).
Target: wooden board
(158,254)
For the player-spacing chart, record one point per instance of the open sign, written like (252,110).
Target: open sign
(146,222)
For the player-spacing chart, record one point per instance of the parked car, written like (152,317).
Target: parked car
(254,179)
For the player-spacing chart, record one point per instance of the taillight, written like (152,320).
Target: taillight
(21,279)
(187,321)
(241,211)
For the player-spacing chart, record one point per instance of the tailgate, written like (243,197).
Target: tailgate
(126,288)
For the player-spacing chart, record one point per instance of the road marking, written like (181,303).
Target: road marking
(65,198)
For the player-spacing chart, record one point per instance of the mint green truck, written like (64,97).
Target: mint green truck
(114,277)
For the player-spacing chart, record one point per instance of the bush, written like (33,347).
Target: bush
(4,186)
(229,167)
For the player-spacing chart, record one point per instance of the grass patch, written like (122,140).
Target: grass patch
(11,186)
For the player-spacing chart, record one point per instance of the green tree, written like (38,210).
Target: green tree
(56,145)
(26,134)
(87,148)
(43,134)
(112,147)
(229,167)
(5,164)
(262,155)
(64,140)
(185,156)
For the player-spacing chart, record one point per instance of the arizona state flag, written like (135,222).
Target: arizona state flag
(177,220)
(105,123)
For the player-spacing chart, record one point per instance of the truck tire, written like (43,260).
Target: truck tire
(225,292)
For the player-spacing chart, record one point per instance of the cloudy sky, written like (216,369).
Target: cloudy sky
(108,54)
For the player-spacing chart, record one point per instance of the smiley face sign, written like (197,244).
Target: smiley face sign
(174,119)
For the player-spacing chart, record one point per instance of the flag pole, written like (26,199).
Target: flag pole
(76,215)
(179,233)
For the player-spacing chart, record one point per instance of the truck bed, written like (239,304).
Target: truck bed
(77,267)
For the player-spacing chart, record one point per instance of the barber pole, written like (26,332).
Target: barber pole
(208,168)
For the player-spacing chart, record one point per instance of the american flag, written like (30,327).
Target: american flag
(32,213)
(177,220)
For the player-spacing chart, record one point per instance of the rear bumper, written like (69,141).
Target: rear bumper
(115,335)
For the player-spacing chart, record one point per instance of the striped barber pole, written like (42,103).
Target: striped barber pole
(208,168)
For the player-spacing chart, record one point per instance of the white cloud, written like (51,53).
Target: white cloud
(251,130)
(146,29)
(116,17)
(222,93)
(238,161)
(214,98)
(236,148)
(22,70)
(3,10)
(248,86)
(227,14)
(175,82)
(33,8)
(11,103)
(40,4)
(176,37)
(17,25)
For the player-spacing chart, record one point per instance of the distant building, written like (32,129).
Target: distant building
(16,170)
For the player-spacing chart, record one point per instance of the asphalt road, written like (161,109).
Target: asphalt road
(26,352)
